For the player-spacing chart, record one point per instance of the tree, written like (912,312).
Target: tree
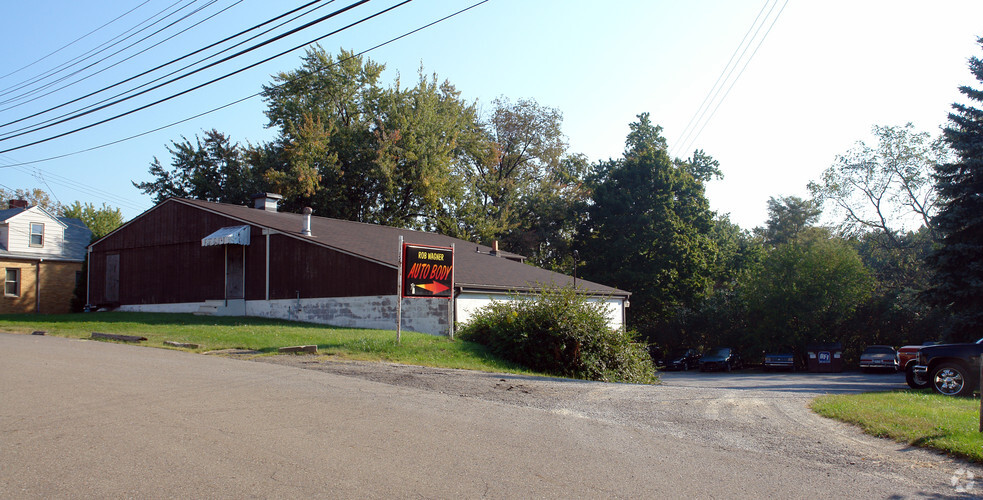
(883,188)
(648,230)
(212,169)
(958,262)
(788,216)
(521,186)
(804,291)
(35,197)
(353,149)
(101,221)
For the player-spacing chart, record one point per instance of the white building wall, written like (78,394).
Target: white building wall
(18,237)
(469,302)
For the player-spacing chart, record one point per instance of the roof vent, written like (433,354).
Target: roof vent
(494,247)
(266,201)
(19,204)
(306,230)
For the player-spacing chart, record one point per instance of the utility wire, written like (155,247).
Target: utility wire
(92,52)
(713,90)
(254,47)
(63,47)
(167,64)
(404,35)
(156,44)
(740,73)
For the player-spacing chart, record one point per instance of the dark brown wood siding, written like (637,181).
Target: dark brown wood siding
(161,261)
(315,271)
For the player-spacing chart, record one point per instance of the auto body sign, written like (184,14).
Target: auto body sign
(428,272)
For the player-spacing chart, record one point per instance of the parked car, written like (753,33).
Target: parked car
(879,357)
(683,358)
(907,356)
(951,369)
(784,358)
(720,358)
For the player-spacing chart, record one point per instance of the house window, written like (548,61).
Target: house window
(11,283)
(37,234)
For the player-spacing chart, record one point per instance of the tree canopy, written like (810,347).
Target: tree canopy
(648,229)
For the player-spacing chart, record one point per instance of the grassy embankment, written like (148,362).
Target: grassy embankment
(918,418)
(266,336)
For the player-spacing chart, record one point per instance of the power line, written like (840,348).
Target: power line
(254,47)
(691,138)
(713,90)
(167,64)
(127,58)
(92,52)
(738,75)
(391,40)
(63,47)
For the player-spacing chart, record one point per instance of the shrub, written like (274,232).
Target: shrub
(560,332)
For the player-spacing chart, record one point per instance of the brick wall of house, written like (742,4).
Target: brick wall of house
(57,286)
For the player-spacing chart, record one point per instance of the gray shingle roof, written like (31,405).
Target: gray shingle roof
(474,266)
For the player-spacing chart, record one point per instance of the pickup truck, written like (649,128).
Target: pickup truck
(906,362)
(950,369)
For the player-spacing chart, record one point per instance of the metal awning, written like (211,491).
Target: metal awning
(234,235)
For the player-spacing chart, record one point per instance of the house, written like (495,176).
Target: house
(41,256)
(212,258)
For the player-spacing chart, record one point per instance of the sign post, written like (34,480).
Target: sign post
(426,272)
(399,293)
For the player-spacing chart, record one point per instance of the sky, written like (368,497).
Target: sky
(796,83)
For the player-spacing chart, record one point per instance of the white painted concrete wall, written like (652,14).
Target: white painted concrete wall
(419,315)
(468,303)
(379,312)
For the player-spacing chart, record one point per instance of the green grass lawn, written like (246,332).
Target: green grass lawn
(266,336)
(919,418)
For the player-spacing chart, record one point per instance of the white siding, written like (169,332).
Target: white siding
(469,303)
(19,234)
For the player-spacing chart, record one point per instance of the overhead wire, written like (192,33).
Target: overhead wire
(213,110)
(714,112)
(687,141)
(91,53)
(210,65)
(69,44)
(127,58)
(687,130)
(172,61)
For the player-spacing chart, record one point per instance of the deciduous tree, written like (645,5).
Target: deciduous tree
(648,230)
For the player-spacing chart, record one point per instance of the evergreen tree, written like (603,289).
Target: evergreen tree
(958,263)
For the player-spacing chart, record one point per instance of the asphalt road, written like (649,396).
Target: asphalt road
(84,419)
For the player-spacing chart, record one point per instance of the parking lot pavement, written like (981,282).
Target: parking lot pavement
(798,383)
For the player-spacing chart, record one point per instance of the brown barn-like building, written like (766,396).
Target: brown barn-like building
(213,258)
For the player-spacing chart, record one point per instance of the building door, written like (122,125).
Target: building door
(112,277)
(235,256)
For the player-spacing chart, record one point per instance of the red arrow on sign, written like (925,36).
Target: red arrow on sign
(434,287)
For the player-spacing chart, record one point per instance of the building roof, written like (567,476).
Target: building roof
(475,267)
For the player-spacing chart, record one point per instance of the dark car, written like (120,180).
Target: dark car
(879,357)
(720,358)
(784,358)
(951,369)
(682,359)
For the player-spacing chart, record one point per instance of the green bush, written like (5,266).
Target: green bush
(560,332)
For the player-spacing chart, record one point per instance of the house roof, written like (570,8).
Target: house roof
(475,267)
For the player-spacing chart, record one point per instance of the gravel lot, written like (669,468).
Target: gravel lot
(764,413)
